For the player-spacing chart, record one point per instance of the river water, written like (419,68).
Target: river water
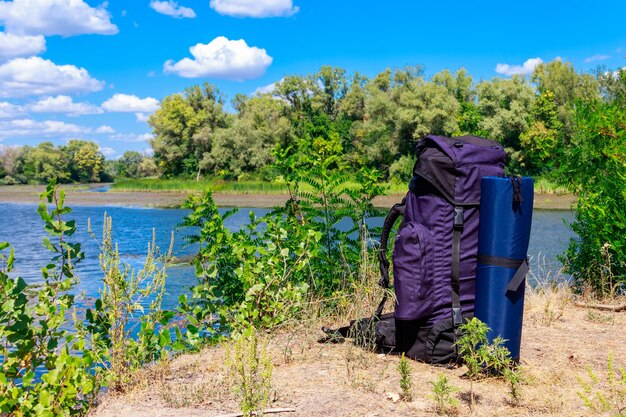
(21,226)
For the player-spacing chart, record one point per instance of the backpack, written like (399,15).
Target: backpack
(435,253)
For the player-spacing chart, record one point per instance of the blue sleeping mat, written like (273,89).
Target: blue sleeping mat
(506,207)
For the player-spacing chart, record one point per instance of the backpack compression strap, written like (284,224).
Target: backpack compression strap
(457,316)
(396,211)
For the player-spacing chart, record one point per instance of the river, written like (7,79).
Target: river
(21,226)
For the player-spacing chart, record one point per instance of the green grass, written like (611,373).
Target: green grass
(184,185)
(218,185)
(546,186)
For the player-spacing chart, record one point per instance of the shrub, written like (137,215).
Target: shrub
(595,169)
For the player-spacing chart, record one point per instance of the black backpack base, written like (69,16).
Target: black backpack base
(429,344)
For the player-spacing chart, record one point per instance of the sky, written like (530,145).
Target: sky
(81,69)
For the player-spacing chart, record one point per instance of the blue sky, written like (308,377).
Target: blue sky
(93,70)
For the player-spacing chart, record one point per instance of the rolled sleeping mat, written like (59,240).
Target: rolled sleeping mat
(506,208)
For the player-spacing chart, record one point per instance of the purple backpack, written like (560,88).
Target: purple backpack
(435,252)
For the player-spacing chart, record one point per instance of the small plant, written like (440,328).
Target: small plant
(406,380)
(112,322)
(484,358)
(250,367)
(443,395)
(609,397)
(40,372)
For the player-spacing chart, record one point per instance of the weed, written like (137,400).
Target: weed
(443,395)
(250,368)
(605,397)
(406,379)
(484,358)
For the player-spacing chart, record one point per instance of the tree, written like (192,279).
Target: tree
(43,163)
(594,168)
(568,87)
(84,160)
(424,108)
(333,87)
(542,144)
(9,158)
(148,168)
(184,127)
(247,145)
(505,106)
(128,164)
(613,85)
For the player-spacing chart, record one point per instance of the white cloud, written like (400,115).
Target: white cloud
(55,17)
(142,117)
(254,8)
(14,46)
(10,110)
(526,68)
(171,8)
(266,89)
(222,58)
(47,128)
(37,76)
(127,103)
(106,151)
(597,57)
(132,137)
(104,129)
(65,105)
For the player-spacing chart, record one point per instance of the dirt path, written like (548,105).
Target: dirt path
(559,342)
(82,196)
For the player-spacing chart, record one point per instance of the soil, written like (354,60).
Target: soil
(560,342)
(83,196)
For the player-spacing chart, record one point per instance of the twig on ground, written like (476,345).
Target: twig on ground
(604,307)
(268,411)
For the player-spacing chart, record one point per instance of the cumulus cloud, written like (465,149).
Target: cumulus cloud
(127,103)
(526,68)
(47,128)
(10,110)
(37,76)
(14,46)
(55,17)
(222,58)
(254,8)
(597,57)
(142,117)
(132,137)
(104,129)
(106,151)
(65,105)
(171,8)
(266,89)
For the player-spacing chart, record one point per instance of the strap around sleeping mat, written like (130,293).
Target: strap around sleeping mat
(521,266)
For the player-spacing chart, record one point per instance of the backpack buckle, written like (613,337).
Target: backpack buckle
(458,218)
(457,317)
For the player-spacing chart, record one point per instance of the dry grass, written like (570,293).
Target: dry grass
(559,342)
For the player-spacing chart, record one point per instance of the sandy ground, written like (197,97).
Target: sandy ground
(559,342)
(82,196)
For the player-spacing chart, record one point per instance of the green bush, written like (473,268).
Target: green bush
(595,170)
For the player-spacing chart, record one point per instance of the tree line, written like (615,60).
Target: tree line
(371,122)
(79,161)
(376,122)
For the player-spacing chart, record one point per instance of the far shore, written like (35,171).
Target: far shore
(83,195)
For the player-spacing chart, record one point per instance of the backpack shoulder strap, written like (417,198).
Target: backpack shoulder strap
(396,211)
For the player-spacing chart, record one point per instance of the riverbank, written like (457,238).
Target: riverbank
(84,195)
(560,342)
